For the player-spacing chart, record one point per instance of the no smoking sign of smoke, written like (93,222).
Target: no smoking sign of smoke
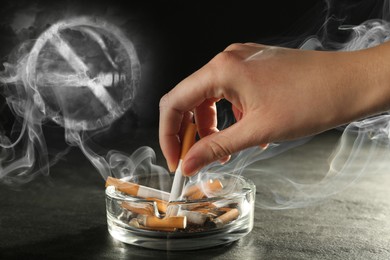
(84,73)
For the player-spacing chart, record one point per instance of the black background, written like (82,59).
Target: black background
(63,216)
(175,38)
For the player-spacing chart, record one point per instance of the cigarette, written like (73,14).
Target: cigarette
(195,192)
(212,212)
(125,216)
(134,223)
(167,222)
(136,190)
(139,208)
(161,204)
(194,206)
(224,203)
(178,183)
(194,217)
(179,179)
(167,229)
(202,210)
(226,218)
(225,209)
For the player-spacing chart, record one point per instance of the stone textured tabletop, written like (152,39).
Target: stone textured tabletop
(63,216)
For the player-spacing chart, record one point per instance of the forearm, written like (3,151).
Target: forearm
(361,83)
(374,66)
(378,71)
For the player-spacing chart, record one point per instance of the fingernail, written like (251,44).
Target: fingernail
(224,160)
(190,166)
(172,167)
(264,146)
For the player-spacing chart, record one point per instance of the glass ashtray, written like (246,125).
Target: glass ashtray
(140,215)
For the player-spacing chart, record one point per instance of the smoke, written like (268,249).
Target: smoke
(83,73)
(362,148)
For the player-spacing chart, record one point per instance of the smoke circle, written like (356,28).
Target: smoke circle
(83,72)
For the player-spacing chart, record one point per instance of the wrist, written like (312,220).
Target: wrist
(375,64)
(362,81)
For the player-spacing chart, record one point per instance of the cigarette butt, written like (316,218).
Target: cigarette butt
(167,222)
(224,203)
(194,217)
(134,223)
(125,216)
(203,204)
(125,187)
(212,212)
(226,218)
(161,204)
(172,210)
(167,229)
(195,192)
(201,210)
(196,195)
(136,190)
(225,209)
(139,207)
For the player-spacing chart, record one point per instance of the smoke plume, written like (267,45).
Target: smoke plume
(83,73)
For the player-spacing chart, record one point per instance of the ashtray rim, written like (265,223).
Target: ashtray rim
(111,192)
(186,240)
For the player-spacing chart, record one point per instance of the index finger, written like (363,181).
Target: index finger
(187,95)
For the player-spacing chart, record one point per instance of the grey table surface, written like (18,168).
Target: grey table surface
(63,216)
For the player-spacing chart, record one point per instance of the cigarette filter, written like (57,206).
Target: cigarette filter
(167,222)
(136,190)
(196,191)
(198,205)
(167,229)
(211,211)
(223,203)
(194,217)
(161,204)
(225,209)
(134,223)
(125,216)
(202,210)
(226,218)
(139,208)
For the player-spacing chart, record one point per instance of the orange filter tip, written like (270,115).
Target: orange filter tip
(188,139)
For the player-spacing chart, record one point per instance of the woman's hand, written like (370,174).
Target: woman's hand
(277,94)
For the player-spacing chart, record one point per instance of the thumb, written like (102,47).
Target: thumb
(218,145)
